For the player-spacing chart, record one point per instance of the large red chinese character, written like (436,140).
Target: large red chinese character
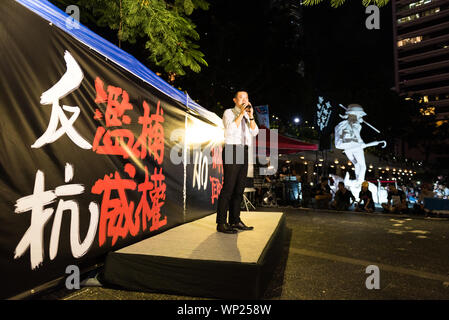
(115,109)
(116,213)
(216,188)
(156,190)
(151,139)
(122,141)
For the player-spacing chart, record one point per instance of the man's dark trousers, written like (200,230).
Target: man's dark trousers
(235,170)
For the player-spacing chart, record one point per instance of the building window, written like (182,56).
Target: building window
(418,15)
(418,3)
(430,12)
(408,18)
(408,41)
(414,5)
(429,111)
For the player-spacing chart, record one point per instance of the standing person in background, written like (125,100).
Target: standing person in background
(240,127)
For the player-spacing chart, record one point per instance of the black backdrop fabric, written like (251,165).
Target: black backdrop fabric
(85,163)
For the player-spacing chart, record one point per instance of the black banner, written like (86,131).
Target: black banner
(325,121)
(87,155)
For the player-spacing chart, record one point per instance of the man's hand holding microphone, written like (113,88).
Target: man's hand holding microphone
(248,108)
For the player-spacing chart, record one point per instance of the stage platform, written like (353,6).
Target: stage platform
(194,259)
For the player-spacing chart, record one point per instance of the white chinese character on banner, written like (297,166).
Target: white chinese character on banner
(38,204)
(69,82)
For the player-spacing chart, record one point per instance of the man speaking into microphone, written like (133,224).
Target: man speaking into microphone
(240,127)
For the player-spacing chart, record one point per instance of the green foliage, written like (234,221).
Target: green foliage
(169,34)
(338,3)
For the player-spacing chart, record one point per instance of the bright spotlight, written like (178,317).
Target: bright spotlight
(201,132)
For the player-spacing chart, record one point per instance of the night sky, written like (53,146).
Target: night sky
(257,45)
(285,57)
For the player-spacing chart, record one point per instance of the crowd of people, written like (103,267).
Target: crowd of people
(400,199)
(343,199)
(441,191)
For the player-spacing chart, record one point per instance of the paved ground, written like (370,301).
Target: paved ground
(326,255)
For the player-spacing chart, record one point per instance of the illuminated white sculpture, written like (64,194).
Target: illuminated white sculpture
(348,139)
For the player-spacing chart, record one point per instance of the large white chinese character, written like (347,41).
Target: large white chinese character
(69,82)
(33,239)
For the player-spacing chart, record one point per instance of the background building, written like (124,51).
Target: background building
(421,38)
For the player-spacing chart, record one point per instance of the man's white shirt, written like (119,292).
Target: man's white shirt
(234,134)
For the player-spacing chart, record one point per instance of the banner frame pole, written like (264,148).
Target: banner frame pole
(184,190)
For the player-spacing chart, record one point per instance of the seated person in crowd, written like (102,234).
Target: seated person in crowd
(426,192)
(342,199)
(323,194)
(366,202)
(440,191)
(446,192)
(284,172)
(262,179)
(443,191)
(396,200)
